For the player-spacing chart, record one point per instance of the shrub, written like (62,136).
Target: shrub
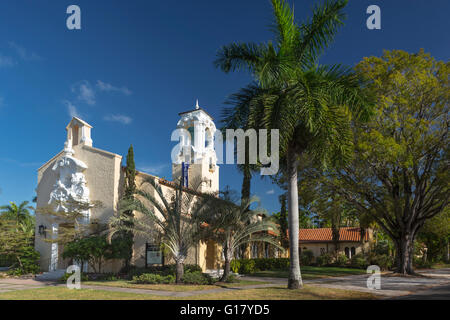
(235,265)
(247,266)
(29,259)
(324,259)
(104,277)
(359,261)
(384,261)
(232,278)
(151,278)
(263,264)
(341,260)
(306,258)
(196,278)
(66,276)
(162,270)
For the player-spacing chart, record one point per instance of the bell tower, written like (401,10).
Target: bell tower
(78,133)
(197,158)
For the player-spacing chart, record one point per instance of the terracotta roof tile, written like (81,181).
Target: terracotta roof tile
(324,235)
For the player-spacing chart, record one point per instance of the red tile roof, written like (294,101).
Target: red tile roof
(351,234)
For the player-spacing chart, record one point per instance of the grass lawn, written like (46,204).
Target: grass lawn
(311,272)
(170,287)
(273,293)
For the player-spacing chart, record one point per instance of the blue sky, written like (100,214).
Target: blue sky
(136,64)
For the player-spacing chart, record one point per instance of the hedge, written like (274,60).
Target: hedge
(245,266)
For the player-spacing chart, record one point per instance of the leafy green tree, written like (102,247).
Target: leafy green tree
(17,246)
(281,218)
(311,105)
(436,236)
(72,222)
(233,225)
(130,189)
(94,249)
(19,212)
(400,170)
(166,217)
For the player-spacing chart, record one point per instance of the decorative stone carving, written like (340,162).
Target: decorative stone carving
(71,183)
(70,186)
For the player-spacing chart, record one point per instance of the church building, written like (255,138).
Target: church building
(81,172)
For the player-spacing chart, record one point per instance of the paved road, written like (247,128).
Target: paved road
(391,287)
(436,293)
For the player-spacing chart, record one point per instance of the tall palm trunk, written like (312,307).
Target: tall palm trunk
(295,277)
(179,272)
(228,254)
(246,183)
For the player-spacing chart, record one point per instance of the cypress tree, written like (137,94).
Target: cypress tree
(130,189)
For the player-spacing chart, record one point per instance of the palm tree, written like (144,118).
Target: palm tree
(312,104)
(166,218)
(20,212)
(234,225)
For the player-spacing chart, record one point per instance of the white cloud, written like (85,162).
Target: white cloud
(23,53)
(118,118)
(73,112)
(85,92)
(6,61)
(107,87)
(270,191)
(152,169)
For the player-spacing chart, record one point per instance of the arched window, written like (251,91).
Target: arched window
(208,138)
(347,252)
(353,251)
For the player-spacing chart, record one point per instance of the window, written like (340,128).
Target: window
(353,251)
(322,251)
(153,255)
(347,252)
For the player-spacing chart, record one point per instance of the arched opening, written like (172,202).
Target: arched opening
(208,138)
(75,135)
(352,252)
(347,252)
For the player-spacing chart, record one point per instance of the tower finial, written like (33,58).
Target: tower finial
(196,105)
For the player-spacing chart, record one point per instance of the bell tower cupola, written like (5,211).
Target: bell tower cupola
(78,133)
(197,158)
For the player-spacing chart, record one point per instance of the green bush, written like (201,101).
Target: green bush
(306,258)
(29,259)
(66,276)
(384,261)
(166,270)
(324,260)
(247,266)
(104,277)
(235,265)
(341,260)
(151,278)
(196,278)
(359,261)
(6,261)
(232,279)
(263,264)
